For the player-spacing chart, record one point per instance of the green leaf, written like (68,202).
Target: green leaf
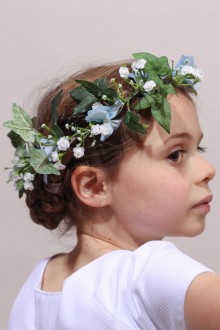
(133,122)
(91,88)
(169,89)
(22,151)
(159,65)
(164,69)
(145,102)
(40,163)
(146,56)
(86,99)
(54,105)
(161,113)
(15,138)
(21,124)
(102,83)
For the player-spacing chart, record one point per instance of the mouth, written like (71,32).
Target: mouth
(203,204)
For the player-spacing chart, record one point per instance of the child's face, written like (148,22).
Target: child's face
(162,189)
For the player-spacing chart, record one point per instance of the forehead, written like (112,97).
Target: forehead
(184,121)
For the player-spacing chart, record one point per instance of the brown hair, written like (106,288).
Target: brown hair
(55,202)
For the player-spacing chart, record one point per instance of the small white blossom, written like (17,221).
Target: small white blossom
(43,125)
(95,130)
(15,160)
(149,85)
(112,79)
(28,185)
(78,152)
(67,126)
(138,64)
(124,72)
(96,105)
(63,144)
(54,156)
(119,85)
(104,97)
(73,128)
(198,74)
(59,166)
(49,136)
(188,69)
(28,177)
(106,129)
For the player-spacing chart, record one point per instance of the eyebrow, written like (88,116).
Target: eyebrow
(182,135)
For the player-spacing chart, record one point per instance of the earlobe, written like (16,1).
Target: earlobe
(90,186)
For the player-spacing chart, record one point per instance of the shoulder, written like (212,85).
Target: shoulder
(202,304)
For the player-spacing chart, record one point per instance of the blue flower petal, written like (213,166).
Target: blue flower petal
(98,115)
(185,60)
(48,149)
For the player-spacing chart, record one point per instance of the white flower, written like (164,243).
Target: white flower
(198,74)
(106,129)
(96,105)
(104,97)
(124,72)
(119,85)
(78,152)
(67,126)
(59,166)
(15,160)
(95,130)
(149,85)
(187,69)
(28,177)
(54,156)
(138,64)
(28,185)
(63,144)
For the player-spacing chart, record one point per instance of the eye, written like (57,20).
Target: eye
(176,155)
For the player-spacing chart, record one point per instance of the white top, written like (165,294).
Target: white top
(141,289)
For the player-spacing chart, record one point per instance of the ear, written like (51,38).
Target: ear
(90,186)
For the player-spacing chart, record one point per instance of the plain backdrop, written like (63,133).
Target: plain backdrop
(42,41)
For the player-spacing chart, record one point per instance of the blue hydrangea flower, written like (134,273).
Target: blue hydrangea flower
(104,113)
(185,60)
(47,148)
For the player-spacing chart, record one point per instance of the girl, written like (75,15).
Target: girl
(115,152)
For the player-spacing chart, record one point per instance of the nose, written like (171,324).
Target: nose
(205,170)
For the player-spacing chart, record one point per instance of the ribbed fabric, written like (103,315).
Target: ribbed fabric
(144,289)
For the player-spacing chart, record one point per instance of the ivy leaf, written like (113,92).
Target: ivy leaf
(86,99)
(145,102)
(40,163)
(169,89)
(164,69)
(54,105)
(133,122)
(102,83)
(161,113)
(92,88)
(159,65)
(15,138)
(21,124)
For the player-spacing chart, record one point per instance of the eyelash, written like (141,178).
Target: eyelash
(181,152)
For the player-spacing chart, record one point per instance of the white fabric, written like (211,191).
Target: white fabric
(141,289)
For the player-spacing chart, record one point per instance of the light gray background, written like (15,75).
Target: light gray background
(46,39)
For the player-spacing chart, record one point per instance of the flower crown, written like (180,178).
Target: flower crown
(150,79)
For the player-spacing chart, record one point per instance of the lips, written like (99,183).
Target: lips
(205,200)
(203,205)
